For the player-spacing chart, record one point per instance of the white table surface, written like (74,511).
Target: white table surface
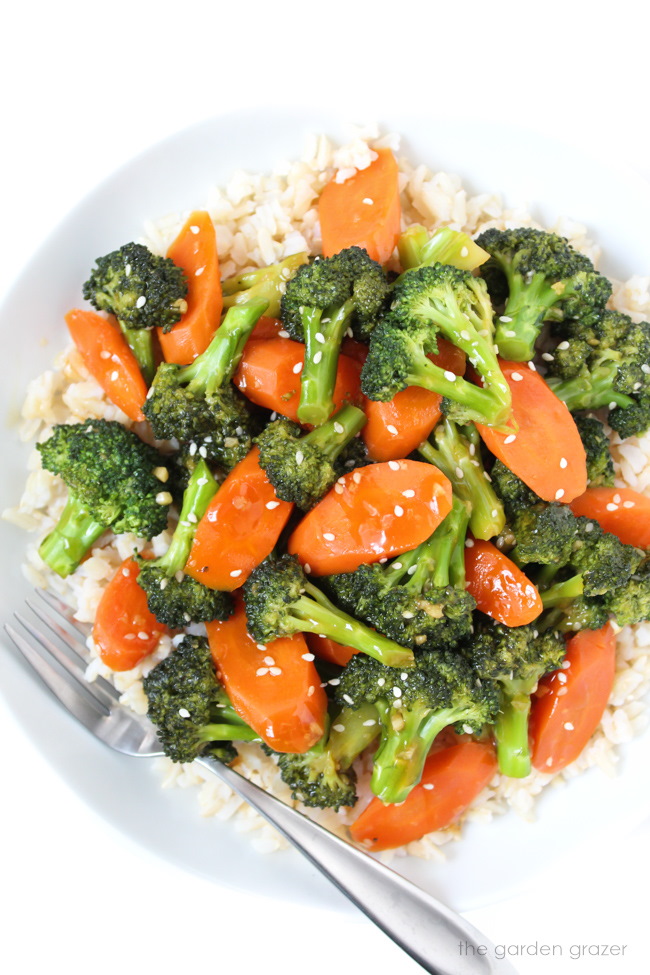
(84,89)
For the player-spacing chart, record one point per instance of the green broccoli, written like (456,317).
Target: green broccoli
(516,657)
(280,601)
(174,598)
(264,282)
(190,708)
(628,604)
(321,302)
(605,365)
(419,599)
(198,401)
(303,468)
(543,279)
(445,246)
(600,467)
(114,481)
(427,301)
(142,290)
(414,707)
(457,453)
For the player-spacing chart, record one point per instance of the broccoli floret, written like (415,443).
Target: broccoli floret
(414,707)
(419,599)
(112,482)
(321,302)
(445,246)
(198,402)
(190,708)
(176,599)
(142,290)
(427,301)
(545,280)
(516,658)
(281,601)
(323,777)
(606,365)
(457,453)
(303,468)
(263,282)
(600,467)
(630,603)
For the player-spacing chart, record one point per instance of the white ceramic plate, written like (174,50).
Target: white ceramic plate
(492,861)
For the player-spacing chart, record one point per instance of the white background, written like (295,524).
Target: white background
(84,88)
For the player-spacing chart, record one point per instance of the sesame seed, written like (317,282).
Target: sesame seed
(320,338)
(329,536)
(532,366)
(563,462)
(612,507)
(334,682)
(617,499)
(645,368)
(115,375)
(163,583)
(516,377)
(460,473)
(183,712)
(408,615)
(261,646)
(199,271)
(428,786)
(179,576)
(338,727)
(465,335)
(397,565)
(269,661)
(272,504)
(469,543)
(356,477)
(494,512)
(283,334)
(141,302)
(143,635)
(399,511)
(261,671)
(104,354)
(317,357)
(308,656)
(368,201)
(397,691)
(307,568)
(568,726)
(409,493)
(235,574)
(547,357)
(464,251)
(370,723)
(349,626)
(510,438)
(589,527)
(612,405)
(297,368)
(338,427)
(129,636)
(164,497)
(381,681)
(486,476)
(194,229)
(411,570)
(392,429)
(628,504)
(348,699)
(559,494)
(509,333)
(311,690)
(450,376)
(504,318)
(394,466)
(563,346)
(338,488)
(299,457)
(275,671)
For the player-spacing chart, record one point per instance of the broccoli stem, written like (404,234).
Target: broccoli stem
(318,615)
(216,366)
(336,433)
(590,392)
(140,342)
(457,455)
(406,740)
(323,334)
(67,544)
(482,404)
(563,592)
(511,731)
(200,490)
(226,732)
(436,553)
(264,282)
(528,303)
(352,731)
(445,246)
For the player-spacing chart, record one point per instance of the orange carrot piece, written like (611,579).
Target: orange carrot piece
(326,649)
(266,328)
(125,631)
(452,778)
(396,428)
(569,703)
(109,360)
(269,375)
(500,588)
(370,514)
(364,210)
(195,251)
(281,700)
(239,529)
(543,448)
(621,511)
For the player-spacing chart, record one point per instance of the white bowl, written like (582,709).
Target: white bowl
(492,861)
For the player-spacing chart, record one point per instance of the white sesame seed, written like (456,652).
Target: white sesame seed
(261,671)
(464,251)
(317,357)
(163,583)
(272,504)
(397,691)
(469,543)
(394,466)
(311,690)
(532,366)
(320,338)
(397,565)
(611,507)
(329,536)
(628,504)
(370,723)
(504,318)
(275,671)
(126,572)
(589,527)
(308,656)
(616,499)
(612,405)
(297,368)
(547,357)
(368,201)
(348,699)
(183,712)
(261,646)
(516,377)
(143,635)
(563,346)
(104,354)
(460,474)
(203,451)
(129,636)
(399,511)
(569,726)
(299,457)
(407,615)
(356,477)
(307,568)
(338,427)
(509,333)
(338,488)
(563,462)
(409,493)
(235,574)
(510,438)
(338,727)
(392,429)
(465,335)
(141,302)
(559,494)
(451,377)
(411,570)
(199,271)
(645,368)
(283,334)
(494,512)
(194,229)
(115,375)
(428,786)
(164,497)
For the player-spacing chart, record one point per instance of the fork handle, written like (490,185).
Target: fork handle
(437,938)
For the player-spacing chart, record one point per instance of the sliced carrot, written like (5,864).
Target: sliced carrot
(269,375)
(276,690)
(570,702)
(125,631)
(195,250)
(109,360)
(500,588)
(355,350)
(452,778)
(239,529)
(266,328)
(372,513)
(326,649)
(396,428)
(543,447)
(364,210)
(621,511)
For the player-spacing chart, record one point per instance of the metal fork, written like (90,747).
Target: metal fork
(425,928)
